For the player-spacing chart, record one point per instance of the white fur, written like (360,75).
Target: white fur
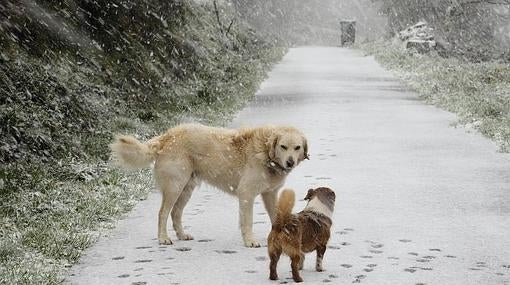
(317,206)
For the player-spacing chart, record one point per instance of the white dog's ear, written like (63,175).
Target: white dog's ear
(271,143)
(305,150)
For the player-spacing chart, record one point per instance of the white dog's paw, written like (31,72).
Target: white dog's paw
(184,236)
(165,241)
(251,243)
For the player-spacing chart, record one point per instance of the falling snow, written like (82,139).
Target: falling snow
(75,73)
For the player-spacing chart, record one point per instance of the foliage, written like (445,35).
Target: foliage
(466,28)
(477,92)
(58,96)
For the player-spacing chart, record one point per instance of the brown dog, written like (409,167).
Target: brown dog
(296,234)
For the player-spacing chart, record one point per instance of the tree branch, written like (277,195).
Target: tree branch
(229,26)
(218,16)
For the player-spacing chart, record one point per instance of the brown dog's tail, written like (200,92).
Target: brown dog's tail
(286,202)
(129,152)
(284,208)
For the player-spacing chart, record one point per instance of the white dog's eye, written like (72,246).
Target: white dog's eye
(297,147)
(284,147)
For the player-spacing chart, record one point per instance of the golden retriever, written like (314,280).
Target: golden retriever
(244,163)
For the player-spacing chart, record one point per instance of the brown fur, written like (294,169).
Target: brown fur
(296,234)
(243,163)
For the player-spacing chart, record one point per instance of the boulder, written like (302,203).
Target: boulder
(419,37)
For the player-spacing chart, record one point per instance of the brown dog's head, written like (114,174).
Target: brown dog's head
(287,147)
(324,194)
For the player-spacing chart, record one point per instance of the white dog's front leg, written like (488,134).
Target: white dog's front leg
(246,220)
(269,199)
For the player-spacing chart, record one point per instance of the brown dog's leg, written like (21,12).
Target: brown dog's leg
(320,254)
(295,259)
(274,255)
(301,261)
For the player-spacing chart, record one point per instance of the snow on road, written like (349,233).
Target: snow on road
(418,201)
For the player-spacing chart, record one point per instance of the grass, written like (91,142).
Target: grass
(45,230)
(61,103)
(479,93)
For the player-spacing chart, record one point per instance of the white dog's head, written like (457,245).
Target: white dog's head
(287,147)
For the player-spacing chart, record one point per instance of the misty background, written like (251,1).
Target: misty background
(478,29)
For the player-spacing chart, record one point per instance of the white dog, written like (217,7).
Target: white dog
(244,163)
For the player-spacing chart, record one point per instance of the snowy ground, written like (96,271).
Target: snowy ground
(418,201)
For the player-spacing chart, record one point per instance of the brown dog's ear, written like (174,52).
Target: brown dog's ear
(271,143)
(332,195)
(305,150)
(309,195)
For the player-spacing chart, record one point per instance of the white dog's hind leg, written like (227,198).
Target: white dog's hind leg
(171,178)
(269,199)
(167,202)
(179,207)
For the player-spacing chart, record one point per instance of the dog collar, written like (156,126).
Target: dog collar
(276,167)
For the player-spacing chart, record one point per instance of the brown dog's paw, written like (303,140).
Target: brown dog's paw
(273,276)
(165,241)
(298,279)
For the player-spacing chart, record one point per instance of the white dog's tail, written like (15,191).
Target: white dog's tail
(129,152)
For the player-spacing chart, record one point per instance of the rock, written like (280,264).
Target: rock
(419,37)
(420,30)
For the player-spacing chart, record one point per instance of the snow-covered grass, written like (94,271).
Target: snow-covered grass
(479,93)
(45,229)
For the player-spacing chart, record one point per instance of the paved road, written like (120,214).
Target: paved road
(419,201)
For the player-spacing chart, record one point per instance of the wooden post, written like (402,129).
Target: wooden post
(348,29)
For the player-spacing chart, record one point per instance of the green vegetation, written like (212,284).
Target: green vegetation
(479,93)
(74,74)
